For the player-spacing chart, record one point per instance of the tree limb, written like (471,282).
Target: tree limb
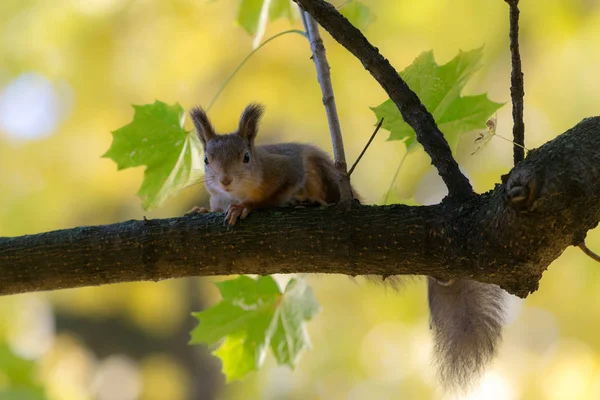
(324,78)
(516,84)
(507,236)
(413,111)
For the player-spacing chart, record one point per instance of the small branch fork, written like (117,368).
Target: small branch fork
(517,93)
(409,105)
(516,84)
(322,66)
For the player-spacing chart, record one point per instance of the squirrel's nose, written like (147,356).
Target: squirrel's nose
(226,180)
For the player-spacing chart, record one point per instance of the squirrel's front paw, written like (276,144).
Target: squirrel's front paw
(197,210)
(234,211)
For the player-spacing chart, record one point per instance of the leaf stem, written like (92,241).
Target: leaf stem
(516,144)
(387,194)
(235,71)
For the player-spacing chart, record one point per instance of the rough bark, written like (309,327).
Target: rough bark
(517,91)
(507,236)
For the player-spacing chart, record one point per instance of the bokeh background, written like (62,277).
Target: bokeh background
(69,72)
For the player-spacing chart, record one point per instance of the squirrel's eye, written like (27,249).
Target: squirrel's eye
(247,157)
(206,160)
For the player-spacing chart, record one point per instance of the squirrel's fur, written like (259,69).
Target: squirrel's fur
(241,176)
(466,316)
(466,321)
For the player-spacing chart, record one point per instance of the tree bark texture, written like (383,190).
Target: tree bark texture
(507,236)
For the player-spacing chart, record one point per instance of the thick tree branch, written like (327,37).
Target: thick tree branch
(324,78)
(508,236)
(516,84)
(413,111)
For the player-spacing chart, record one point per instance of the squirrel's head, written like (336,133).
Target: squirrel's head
(230,164)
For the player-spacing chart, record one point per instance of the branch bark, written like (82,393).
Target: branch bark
(516,84)
(324,78)
(413,111)
(507,236)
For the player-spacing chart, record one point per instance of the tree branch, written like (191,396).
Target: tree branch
(516,84)
(322,66)
(507,236)
(413,111)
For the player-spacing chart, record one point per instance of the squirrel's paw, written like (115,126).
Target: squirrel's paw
(197,210)
(234,211)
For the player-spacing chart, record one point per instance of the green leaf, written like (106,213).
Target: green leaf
(156,138)
(253,316)
(18,377)
(290,337)
(249,12)
(22,394)
(358,14)
(282,9)
(439,88)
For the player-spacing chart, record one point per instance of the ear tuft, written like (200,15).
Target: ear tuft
(249,121)
(202,124)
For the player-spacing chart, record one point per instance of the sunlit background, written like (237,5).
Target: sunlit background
(69,72)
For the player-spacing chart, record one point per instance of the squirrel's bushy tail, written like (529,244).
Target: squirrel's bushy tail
(466,320)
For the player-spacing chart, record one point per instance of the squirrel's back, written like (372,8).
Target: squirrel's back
(320,177)
(242,176)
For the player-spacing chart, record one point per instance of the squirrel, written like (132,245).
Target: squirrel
(241,176)
(466,316)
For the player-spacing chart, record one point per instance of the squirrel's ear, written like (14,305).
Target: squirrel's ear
(249,121)
(203,126)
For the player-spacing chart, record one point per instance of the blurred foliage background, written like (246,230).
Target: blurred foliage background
(69,72)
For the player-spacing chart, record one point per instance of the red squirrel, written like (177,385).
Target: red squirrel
(241,176)
(466,316)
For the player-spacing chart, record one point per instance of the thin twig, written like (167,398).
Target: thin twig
(318,50)
(590,253)
(407,102)
(366,146)
(516,84)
